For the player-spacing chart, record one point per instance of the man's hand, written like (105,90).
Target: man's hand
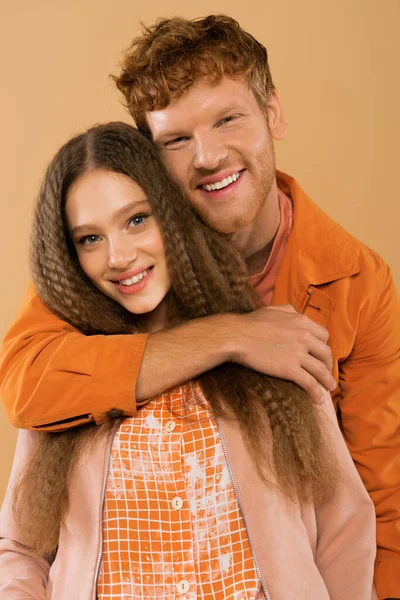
(281,342)
(276,341)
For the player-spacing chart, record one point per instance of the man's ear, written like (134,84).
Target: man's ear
(276,117)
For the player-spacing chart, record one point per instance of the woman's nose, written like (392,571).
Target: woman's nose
(121,254)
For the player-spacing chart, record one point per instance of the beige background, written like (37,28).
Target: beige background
(336,65)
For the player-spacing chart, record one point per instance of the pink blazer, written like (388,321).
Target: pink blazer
(302,552)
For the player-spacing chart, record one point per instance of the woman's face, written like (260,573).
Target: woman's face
(119,242)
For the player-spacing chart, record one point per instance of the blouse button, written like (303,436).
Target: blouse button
(183,586)
(169,426)
(177,503)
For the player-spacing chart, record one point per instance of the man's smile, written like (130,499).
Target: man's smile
(218,184)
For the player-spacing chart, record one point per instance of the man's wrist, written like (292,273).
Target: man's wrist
(227,327)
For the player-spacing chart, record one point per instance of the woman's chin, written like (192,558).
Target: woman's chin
(151,312)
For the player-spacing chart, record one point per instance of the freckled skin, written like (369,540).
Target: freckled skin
(214,128)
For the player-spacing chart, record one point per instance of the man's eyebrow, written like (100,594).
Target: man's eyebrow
(132,206)
(232,107)
(162,136)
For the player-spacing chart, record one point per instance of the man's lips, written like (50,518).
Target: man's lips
(218,177)
(224,181)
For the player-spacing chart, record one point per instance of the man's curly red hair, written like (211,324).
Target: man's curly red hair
(173,54)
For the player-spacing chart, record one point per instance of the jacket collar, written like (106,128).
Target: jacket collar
(324,250)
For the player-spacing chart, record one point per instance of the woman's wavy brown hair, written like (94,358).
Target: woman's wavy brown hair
(208,277)
(172,55)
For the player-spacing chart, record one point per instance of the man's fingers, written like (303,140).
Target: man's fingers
(309,385)
(314,328)
(321,352)
(289,345)
(319,372)
(303,323)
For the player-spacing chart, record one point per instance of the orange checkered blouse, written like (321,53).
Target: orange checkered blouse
(172,527)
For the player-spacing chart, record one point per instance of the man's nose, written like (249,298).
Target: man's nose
(210,152)
(121,254)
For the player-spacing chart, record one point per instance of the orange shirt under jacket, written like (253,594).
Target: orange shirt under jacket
(172,525)
(53,377)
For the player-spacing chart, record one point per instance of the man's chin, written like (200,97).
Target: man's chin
(226,226)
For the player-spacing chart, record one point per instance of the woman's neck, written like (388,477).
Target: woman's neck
(154,320)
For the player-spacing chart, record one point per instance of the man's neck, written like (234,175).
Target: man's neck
(255,241)
(257,261)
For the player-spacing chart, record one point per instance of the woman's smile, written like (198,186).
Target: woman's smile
(118,241)
(134,283)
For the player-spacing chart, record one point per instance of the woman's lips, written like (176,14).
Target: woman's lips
(134,288)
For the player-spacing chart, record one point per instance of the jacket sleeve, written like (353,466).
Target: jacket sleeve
(22,574)
(370,417)
(53,377)
(346,545)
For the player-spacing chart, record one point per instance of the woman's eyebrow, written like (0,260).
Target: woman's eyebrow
(132,206)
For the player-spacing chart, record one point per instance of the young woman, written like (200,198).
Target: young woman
(233,486)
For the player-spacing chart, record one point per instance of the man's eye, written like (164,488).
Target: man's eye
(175,141)
(227,119)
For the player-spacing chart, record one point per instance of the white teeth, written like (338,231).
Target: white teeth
(218,185)
(135,278)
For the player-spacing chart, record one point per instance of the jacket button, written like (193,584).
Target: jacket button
(183,586)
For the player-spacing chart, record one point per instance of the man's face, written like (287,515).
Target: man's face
(217,142)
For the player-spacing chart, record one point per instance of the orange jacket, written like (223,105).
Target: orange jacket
(52,377)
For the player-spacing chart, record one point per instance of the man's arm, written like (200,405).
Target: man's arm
(370,417)
(52,377)
(277,341)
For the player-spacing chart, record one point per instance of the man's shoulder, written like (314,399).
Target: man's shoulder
(343,239)
(324,248)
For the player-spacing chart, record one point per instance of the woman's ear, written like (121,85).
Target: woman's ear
(276,117)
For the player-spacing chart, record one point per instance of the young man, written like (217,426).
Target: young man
(203,92)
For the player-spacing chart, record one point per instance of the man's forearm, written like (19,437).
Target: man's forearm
(275,341)
(176,355)
(53,377)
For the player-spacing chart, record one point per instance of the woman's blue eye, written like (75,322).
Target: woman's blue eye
(89,239)
(138,220)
